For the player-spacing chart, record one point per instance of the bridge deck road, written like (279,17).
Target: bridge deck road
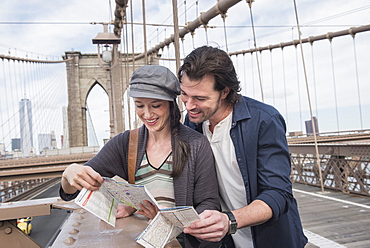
(333,219)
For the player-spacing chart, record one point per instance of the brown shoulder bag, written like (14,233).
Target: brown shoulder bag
(132,155)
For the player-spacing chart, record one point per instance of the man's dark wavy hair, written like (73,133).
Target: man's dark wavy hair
(213,61)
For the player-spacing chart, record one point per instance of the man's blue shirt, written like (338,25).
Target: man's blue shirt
(258,133)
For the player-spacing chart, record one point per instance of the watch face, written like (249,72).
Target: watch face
(233,227)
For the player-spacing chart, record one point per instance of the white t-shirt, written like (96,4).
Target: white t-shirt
(231,184)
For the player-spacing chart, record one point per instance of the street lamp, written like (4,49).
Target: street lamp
(107,47)
(108,53)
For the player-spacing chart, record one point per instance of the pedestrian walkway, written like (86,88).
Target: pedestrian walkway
(333,219)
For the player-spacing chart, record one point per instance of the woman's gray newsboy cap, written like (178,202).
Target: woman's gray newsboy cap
(154,81)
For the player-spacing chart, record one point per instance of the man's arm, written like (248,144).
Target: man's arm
(214,225)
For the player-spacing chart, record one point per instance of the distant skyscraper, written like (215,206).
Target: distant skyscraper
(47,141)
(2,149)
(25,119)
(16,144)
(44,140)
(309,128)
(53,140)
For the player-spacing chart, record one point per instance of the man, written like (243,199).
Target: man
(251,152)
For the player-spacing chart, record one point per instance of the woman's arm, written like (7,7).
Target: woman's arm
(206,194)
(76,176)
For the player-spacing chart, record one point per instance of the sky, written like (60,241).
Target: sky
(47,29)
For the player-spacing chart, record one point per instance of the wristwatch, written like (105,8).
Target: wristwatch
(233,225)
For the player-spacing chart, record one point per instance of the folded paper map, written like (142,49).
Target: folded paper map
(166,225)
(103,202)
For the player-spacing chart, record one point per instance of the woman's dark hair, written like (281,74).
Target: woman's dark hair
(213,61)
(181,149)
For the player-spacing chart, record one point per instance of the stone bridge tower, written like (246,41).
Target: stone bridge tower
(84,71)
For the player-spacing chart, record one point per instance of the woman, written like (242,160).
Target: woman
(174,162)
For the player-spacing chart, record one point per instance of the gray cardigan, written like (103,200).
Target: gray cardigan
(196,186)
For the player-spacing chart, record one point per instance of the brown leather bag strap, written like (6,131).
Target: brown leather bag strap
(132,154)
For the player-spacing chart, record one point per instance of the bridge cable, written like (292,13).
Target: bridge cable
(128,77)
(272,79)
(299,88)
(285,91)
(357,79)
(22,86)
(183,48)
(255,46)
(110,14)
(46,120)
(44,95)
(223,15)
(261,69)
(245,74)
(133,61)
(11,127)
(334,81)
(124,39)
(192,32)
(144,32)
(12,106)
(253,81)
(206,34)
(92,132)
(1,107)
(182,38)
(17,110)
(308,97)
(30,92)
(314,79)
(176,36)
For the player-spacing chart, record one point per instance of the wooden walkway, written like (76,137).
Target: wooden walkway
(333,219)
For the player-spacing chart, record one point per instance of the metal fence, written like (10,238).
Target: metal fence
(349,174)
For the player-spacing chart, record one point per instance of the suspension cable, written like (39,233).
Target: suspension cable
(245,74)
(255,46)
(272,79)
(144,31)
(309,98)
(299,88)
(285,93)
(334,82)
(357,79)
(127,76)
(223,15)
(133,62)
(314,79)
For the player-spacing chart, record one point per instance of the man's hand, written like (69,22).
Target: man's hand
(124,211)
(213,226)
(148,209)
(76,176)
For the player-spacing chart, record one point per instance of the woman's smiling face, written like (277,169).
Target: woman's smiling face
(154,113)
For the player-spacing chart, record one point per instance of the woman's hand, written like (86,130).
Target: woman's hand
(124,211)
(148,209)
(76,176)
